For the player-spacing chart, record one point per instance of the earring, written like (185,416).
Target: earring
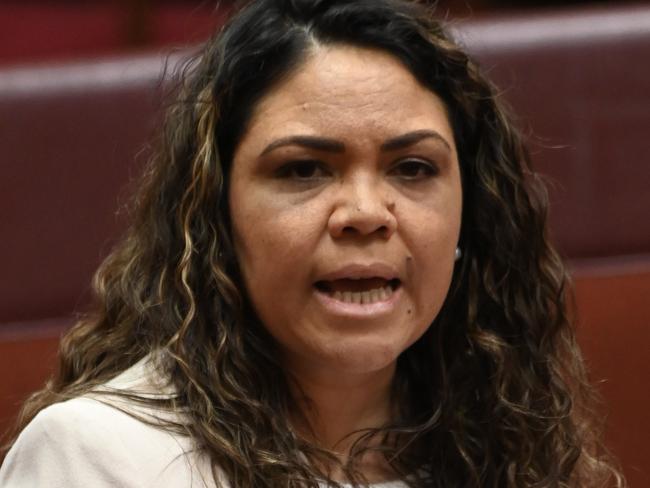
(459,254)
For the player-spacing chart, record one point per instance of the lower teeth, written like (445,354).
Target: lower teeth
(363,297)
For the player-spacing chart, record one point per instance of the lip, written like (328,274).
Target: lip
(356,271)
(358,310)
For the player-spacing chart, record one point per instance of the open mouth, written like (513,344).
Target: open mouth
(362,290)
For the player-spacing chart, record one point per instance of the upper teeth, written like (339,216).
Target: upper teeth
(369,296)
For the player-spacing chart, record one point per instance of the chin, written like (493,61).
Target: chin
(363,355)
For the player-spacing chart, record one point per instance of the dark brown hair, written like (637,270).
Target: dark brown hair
(494,393)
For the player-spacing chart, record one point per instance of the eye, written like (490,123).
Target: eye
(303,170)
(413,170)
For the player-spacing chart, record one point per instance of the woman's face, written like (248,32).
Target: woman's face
(345,198)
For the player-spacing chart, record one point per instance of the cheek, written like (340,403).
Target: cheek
(273,241)
(436,266)
(274,249)
(432,243)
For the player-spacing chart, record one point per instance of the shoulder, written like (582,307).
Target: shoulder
(73,443)
(88,442)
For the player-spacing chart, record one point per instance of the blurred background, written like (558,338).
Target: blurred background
(80,98)
(37,30)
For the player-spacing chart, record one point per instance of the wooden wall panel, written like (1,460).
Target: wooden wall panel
(614,332)
(27,359)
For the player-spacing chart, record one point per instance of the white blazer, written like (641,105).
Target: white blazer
(86,442)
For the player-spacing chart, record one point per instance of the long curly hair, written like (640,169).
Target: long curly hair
(494,394)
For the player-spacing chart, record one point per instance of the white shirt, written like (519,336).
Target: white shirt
(84,442)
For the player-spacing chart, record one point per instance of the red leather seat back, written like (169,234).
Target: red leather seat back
(70,136)
(580,80)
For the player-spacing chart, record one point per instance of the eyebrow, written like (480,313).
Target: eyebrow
(311,142)
(410,138)
(336,146)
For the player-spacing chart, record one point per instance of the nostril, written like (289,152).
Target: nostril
(364,230)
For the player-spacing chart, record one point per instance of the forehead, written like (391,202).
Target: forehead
(344,90)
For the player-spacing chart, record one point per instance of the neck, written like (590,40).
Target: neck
(335,406)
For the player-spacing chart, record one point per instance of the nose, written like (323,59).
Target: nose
(362,209)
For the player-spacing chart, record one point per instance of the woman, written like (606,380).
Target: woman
(338,272)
